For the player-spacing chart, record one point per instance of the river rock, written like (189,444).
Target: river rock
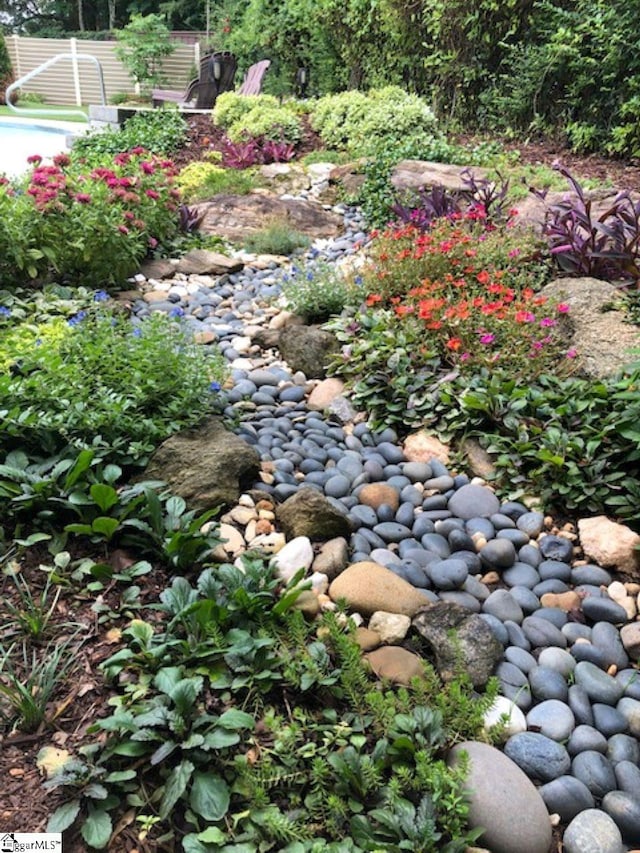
(396,664)
(624,808)
(367,587)
(539,756)
(308,349)
(567,797)
(503,801)
(473,502)
(592,831)
(296,554)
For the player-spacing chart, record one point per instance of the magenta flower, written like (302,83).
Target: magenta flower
(563,308)
(547,321)
(487,338)
(82,198)
(572,353)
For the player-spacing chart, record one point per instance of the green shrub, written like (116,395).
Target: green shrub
(230,108)
(277,123)
(367,123)
(95,380)
(157,131)
(142,44)
(201,180)
(318,291)
(5,67)
(276,238)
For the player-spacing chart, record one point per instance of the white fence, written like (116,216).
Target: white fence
(74,82)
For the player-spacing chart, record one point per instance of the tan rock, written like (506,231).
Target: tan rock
(367,587)
(396,664)
(205,337)
(610,544)
(630,636)
(392,627)
(413,174)
(152,296)
(566,601)
(367,639)
(241,514)
(307,602)
(423,447)
(480,462)
(332,558)
(233,543)
(377,494)
(324,394)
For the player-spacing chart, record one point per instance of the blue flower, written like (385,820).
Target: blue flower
(100,296)
(309,276)
(77,318)
(358,280)
(176,312)
(5,312)
(137,333)
(214,387)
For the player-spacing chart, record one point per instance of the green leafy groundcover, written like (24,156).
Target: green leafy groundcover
(238,726)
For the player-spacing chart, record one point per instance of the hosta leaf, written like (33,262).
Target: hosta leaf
(209,796)
(175,787)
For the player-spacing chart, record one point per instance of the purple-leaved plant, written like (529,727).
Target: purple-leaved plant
(583,244)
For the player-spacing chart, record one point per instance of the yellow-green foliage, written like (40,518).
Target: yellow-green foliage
(202,180)
(365,123)
(256,115)
(23,338)
(231,107)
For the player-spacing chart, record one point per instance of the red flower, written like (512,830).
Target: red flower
(454,344)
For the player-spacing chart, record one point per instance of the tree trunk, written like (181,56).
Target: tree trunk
(112,14)
(80,16)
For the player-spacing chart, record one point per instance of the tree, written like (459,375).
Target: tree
(142,44)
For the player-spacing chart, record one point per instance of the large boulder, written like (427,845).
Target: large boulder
(207,465)
(309,513)
(593,326)
(307,348)
(459,640)
(235,216)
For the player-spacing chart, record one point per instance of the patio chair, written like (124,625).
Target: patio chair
(252,84)
(217,72)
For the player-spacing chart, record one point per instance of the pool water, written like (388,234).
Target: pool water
(21,138)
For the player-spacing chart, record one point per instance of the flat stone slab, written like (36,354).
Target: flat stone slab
(413,174)
(234,216)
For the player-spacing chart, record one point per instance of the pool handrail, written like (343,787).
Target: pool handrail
(45,65)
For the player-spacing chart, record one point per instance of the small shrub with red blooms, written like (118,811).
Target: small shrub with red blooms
(72,222)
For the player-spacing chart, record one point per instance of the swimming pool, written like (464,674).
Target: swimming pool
(20,138)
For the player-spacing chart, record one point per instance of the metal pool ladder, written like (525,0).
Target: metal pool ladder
(85,57)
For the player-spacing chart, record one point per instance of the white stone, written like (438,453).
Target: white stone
(270,543)
(505,711)
(246,500)
(392,627)
(296,554)
(242,514)
(232,545)
(319,582)
(241,343)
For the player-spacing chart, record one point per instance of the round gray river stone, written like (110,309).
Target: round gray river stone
(567,797)
(630,710)
(625,810)
(603,610)
(498,554)
(599,686)
(473,502)
(628,777)
(503,606)
(538,756)
(547,684)
(580,704)
(531,523)
(596,771)
(584,738)
(540,632)
(514,684)
(391,531)
(448,574)
(521,574)
(552,718)
(526,598)
(520,658)
(608,720)
(503,801)
(589,574)
(592,831)
(607,637)
(623,747)
(558,659)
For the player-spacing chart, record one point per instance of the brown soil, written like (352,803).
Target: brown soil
(82,696)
